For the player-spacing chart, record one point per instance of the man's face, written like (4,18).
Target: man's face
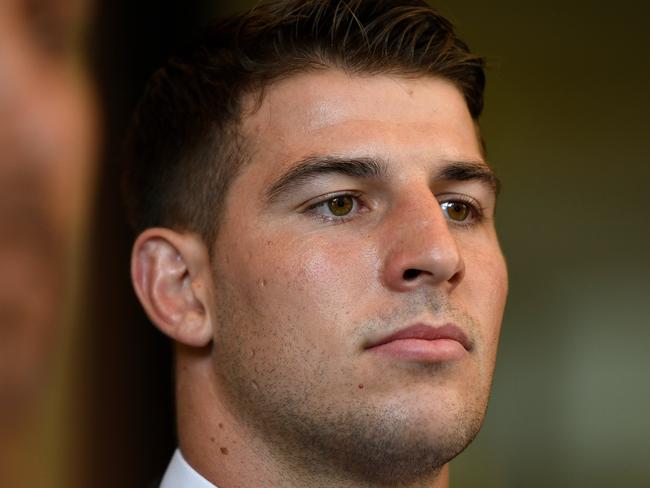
(387,228)
(48,139)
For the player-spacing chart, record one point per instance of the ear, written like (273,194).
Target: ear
(172,279)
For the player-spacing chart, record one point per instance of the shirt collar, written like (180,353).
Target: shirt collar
(180,474)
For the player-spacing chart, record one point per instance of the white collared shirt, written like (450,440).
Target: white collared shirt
(180,474)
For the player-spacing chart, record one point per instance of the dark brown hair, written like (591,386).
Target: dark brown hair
(184,147)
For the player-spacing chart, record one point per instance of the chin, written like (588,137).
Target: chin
(387,446)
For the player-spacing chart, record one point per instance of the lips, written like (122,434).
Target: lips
(424,343)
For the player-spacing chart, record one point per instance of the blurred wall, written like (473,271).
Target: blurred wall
(567,129)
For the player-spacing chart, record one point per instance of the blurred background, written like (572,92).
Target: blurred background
(85,381)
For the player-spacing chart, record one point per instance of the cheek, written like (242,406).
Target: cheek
(288,308)
(312,280)
(484,290)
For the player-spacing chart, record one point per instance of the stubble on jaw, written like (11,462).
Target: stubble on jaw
(354,440)
(379,448)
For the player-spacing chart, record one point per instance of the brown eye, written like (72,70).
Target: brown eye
(340,206)
(456,211)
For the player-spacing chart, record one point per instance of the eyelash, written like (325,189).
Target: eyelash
(356,198)
(477,213)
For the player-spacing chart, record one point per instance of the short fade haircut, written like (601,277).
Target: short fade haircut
(184,147)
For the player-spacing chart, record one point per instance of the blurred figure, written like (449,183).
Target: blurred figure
(48,139)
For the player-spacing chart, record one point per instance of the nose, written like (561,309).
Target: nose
(422,247)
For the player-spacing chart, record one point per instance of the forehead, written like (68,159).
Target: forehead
(331,111)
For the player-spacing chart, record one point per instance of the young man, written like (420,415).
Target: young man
(317,237)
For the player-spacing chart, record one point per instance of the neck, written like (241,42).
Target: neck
(228,451)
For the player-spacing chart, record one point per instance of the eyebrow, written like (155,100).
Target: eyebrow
(312,167)
(468,171)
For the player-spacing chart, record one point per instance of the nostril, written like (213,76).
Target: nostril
(411,274)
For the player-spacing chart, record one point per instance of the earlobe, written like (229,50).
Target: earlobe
(171,276)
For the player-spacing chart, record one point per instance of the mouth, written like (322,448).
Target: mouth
(424,343)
